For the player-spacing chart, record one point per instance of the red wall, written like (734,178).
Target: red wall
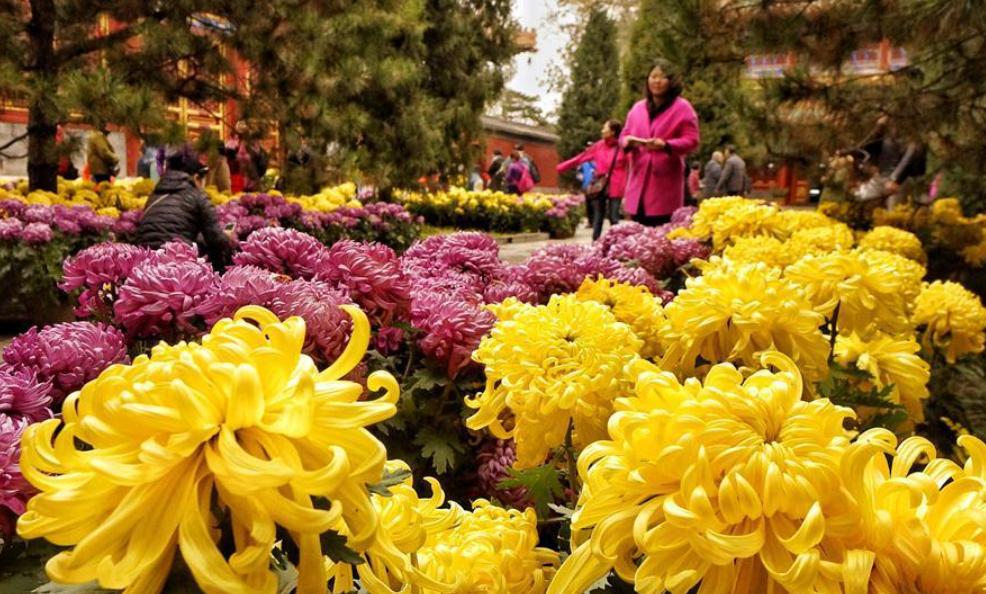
(545,155)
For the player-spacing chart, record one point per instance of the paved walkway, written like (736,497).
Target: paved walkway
(518,252)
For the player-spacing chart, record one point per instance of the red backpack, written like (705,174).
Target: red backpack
(526,182)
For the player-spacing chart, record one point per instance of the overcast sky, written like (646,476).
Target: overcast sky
(532,69)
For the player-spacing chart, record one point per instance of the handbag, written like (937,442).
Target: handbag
(599,184)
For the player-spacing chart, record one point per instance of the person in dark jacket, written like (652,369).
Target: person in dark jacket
(179,209)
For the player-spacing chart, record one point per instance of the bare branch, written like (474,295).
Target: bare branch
(13,141)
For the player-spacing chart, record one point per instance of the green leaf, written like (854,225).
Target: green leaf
(426,379)
(442,449)
(390,479)
(335,546)
(543,485)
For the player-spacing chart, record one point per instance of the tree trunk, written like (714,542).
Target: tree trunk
(42,160)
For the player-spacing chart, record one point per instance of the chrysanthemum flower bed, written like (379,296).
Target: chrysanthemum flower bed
(675,409)
(489,210)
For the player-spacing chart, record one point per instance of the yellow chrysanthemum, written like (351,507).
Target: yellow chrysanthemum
(789,222)
(710,210)
(911,273)
(924,529)
(550,366)
(633,305)
(894,240)
(733,312)
(901,216)
(490,551)
(975,255)
(750,250)
(508,308)
(242,423)
(747,219)
(953,317)
(733,484)
(946,211)
(406,523)
(868,290)
(891,361)
(819,240)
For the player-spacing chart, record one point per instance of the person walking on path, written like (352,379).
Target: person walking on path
(528,160)
(661,130)
(518,179)
(734,180)
(604,195)
(102,161)
(695,181)
(711,175)
(179,209)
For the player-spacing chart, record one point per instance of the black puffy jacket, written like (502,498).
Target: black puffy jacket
(178,209)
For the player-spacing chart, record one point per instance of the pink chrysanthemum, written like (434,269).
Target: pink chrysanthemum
(371,274)
(685,250)
(388,340)
(239,286)
(496,458)
(327,326)
(468,252)
(99,271)
(14,488)
(68,355)
(23,395)
(646,248)
(451,329)
(284,251)
(37,233)
(161,298)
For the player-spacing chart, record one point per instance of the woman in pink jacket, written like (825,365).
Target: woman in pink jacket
(660,131)
(610,160)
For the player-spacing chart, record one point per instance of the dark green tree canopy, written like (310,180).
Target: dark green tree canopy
(592,94)
(387,88)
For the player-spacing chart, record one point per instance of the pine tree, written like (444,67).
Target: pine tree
(592,93)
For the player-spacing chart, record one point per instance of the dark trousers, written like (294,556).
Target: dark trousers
(100,177)
(602,208)
(651,221)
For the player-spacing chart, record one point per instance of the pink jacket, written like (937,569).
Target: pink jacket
(658,177)
(601,153)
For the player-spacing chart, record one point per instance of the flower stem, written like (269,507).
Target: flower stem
(573,470)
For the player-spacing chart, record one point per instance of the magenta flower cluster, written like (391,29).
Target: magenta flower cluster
(37,224)
(14,488)
(284,251)
(97,272)
(65,355)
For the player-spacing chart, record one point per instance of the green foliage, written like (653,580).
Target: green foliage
(334,545)
(591,96)
(852,387)
(543,485)
(443,449)
(390,479)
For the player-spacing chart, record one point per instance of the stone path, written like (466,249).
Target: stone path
(518,252)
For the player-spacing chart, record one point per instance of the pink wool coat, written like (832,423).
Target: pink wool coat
(601,153)
(658,177)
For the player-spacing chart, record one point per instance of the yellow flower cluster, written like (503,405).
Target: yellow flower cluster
(738,485)
(891,239)
(819,240)
(491,551)
(329,199)
(733,311)
(953,319)
(461,201)
(242,424)
(633,305)
(892,362)
(549,367)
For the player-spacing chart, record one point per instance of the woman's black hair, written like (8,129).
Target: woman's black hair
(673,76)
(185,159)
(615,126)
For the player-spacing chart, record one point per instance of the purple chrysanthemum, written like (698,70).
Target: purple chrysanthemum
(68,355)
(37,213)
(126,225)
(12,208)
(327,325)
(161,298)
(240,286)
(23,395)
(284,251)
(371,274)
(15,490)
(10,228)
(640,246)
(685,250)
(451,329)
(99,271)
(496,458)
(454,285)
(683,216)
(466,252)
(388,340)
(512,283)
(37,233)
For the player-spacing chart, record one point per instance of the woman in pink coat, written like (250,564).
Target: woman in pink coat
(610,160)
(660,131)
